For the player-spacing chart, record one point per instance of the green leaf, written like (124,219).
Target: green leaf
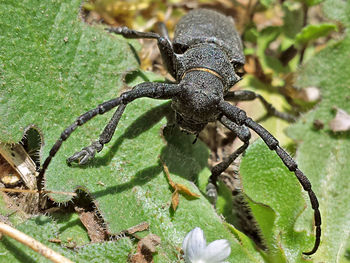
(111,251)
(312,32)
(293,18)
(70,229)
(337,10)
(267,3)
(43,229)
(275,198)
(52,62)
(247,244)
(40,228)
(55,68)
(346,257)
(324,155)
(266,36)
(313,2)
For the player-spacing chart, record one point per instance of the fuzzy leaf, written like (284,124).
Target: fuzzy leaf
(44,229)
(337,10)
(276,201)
(70,229)
(324,155)
(56,68)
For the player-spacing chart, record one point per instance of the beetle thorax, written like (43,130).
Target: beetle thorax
(196,105)
(208,57)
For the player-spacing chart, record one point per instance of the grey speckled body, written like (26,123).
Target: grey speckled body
(204,39)
(207,26)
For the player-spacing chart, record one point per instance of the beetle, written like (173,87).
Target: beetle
(204,58)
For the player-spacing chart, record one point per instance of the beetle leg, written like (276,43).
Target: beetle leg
(243,134)
(163,31)
(164,44)
(246,95)
(239,116)
(166,49)
(88,153)
(147,89)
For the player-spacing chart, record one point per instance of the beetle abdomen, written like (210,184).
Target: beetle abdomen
(208,26)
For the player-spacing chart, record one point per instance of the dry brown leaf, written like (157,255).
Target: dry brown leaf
(166,171)
(145,248)
(184,190)
(178,188)
(138,228)
(175,200)
(89,220)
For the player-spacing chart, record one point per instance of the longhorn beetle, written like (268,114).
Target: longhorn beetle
(204,58)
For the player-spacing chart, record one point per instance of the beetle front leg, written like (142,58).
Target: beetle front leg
(147,89)
(151,89)
(88,153)
(244,135)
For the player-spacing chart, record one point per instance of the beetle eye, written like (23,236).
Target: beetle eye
(180,48)
(239,69)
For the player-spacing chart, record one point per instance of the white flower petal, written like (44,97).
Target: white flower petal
(194,245)
(217,251)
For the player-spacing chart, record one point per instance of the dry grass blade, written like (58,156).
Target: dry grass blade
(33,244)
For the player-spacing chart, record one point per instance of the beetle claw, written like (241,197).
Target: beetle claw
(83,156)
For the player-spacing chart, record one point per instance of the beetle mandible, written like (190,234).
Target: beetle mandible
(204,58)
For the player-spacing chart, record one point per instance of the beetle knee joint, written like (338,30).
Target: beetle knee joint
(162,41)
(244,134)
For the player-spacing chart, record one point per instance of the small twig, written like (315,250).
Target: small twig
(138,228)
(11,190)
(33,244)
